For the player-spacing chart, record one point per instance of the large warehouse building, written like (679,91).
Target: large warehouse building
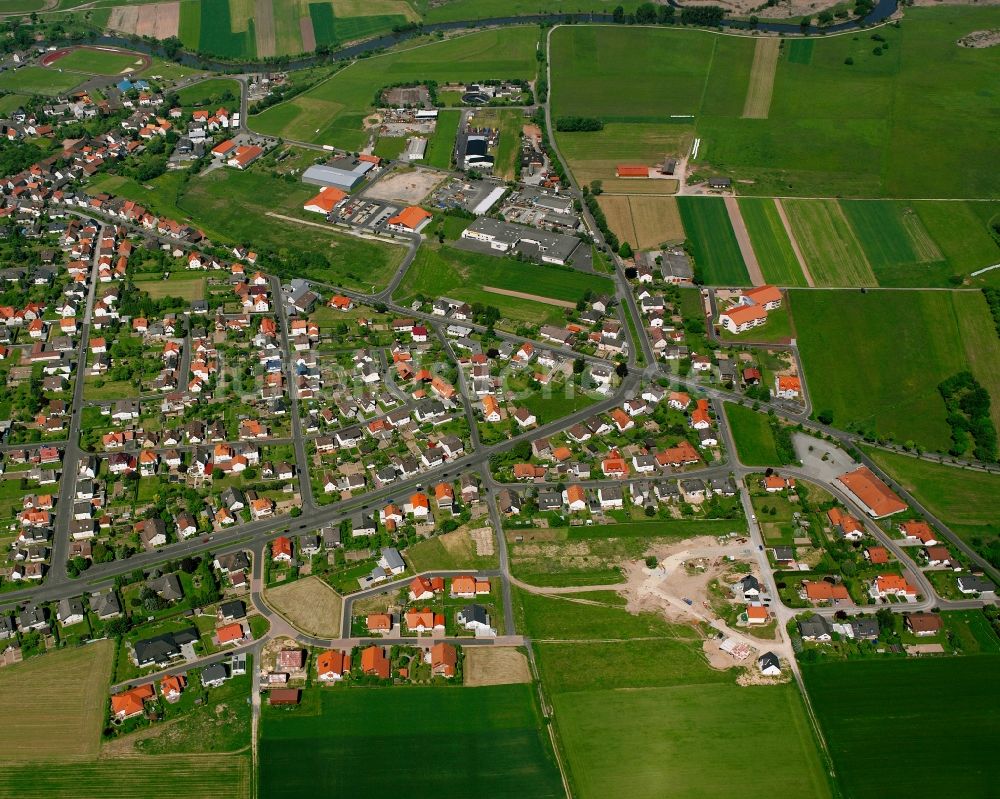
(343,173)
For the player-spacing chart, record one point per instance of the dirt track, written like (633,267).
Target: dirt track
(533,297)
(743,239)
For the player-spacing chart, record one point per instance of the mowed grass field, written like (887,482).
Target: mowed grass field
(39,80)
(233,207)
(829,245)
(875,359)
(161,777)
(461,274)
(644,221)
(754,439)
(712,242)
(962,499)
(186,286)
(333,111)
(882,126)
(954,722)
(770,242)
(485,741)
(99,62)
(441,145)
(639,713)
(67,692)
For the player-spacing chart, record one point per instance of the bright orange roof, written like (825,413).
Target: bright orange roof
(420,501)
(821,590)
(443,491)
(741,314)
(374,661)
(576,493)
(465,584)
(172,684)
(444,657)
(878,554)
(332,662)
(872,492)
(763,294)
(893,583)
(327,198)
(631,171)
(490,405)
(918,529)
(756,612)
(411,217)
(230,632)
(789,383)
(379,621)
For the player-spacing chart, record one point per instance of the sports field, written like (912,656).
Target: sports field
(858,129)
(39,80)
(68,693)
(961,498)
(100,62)
(643,221)
(639,712)
(770,243)
(333,111)
(754,439)
(485,741)
(831,248)
(859,702)
(712,242)
(875,359)
(461,274)
(163,777)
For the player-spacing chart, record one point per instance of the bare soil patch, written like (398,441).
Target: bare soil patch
(989,38)
(158,20)
(310,605)
(410,186)
(264,26)
(534,297)
(307,33)
(743,239)
(493,665)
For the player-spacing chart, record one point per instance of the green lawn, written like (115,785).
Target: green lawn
(9,103)
(770,243)
(38,80)
(862,701)
(390,148)
(460,274)
(442,143)
(216,35)
(875,359)
(470,741)
(962,232)
(332,112)
(754,438)
(962,499)
(712,242)
(99,62)
(828,244)
(639,713)
(232,206)
(210,93)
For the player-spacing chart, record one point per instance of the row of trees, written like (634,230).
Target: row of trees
(968,405)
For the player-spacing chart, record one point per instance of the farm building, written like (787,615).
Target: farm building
(343,173)
(631,171)
(874,495)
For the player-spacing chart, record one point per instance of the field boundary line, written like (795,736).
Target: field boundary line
(548,713)
(795,244)
(743,240)
(533,297)
(760,89)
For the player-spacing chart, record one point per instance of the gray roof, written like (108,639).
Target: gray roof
(865,628)
(216,671)
(769,659)
(162,648)
(167,586)
(392,558)
(344,173)
(475,613)
(814,627)
(784,553)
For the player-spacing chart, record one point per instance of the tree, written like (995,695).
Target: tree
(295,512)
(618,15)
(621,370)
(579,365)
(825,417)
(625,250)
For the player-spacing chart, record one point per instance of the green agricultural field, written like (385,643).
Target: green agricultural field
(489,9)
(38,80)
(962,499)
(754,438)
(442,143)
(217,35)
(332,30)
(343,747)
(712,242)
(99,62)
(234,207)
(332,112)
(957,724)
(832,251)
(770,243)
(462,275)
(189,24)
(962,232)
(875,359)
(637,708)
(164,777)
(896,243)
